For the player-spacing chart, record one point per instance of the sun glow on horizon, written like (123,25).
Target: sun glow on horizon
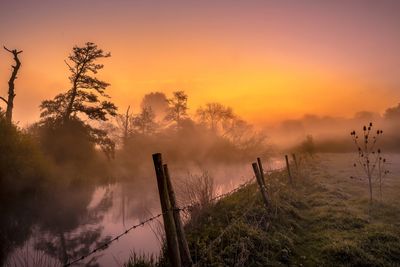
(266,67)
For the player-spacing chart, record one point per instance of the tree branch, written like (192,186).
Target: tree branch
(69,66)
(2,98)
(14,51)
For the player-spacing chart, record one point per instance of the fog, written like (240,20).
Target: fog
(81,186)
(332,134)
(83,172)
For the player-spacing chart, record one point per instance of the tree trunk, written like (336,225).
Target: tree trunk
(68,111)
(11,85)
(74,89)
(126,127)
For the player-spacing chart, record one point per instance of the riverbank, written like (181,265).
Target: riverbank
(323,220)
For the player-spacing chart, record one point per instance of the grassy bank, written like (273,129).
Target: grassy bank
(323,220)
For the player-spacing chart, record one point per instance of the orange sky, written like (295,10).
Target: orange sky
(269,60)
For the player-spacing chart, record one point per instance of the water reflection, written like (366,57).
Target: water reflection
(59,221)
(65,223)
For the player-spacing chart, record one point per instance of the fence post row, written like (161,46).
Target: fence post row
(260,184)
(169,223)
(260,166)
(183,245)
(295,162)
(288,170)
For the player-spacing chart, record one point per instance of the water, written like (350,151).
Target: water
(70,223)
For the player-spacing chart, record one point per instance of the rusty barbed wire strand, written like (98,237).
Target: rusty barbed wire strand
(184,208)
(105,245)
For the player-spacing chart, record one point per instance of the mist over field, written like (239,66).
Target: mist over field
(199,133)
(331,134)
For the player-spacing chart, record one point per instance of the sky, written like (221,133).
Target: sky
(269,60)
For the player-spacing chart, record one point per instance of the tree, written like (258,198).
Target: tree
(158,103)
(237,130)
(393,113)
(144,122)
(308,146)
(83,97)
(177,108)
(215,115)
(11,86)
(86,97)
(124,121)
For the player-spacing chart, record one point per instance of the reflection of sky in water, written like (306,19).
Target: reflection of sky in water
(137,200)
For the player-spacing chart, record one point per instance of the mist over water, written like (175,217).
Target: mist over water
(90,90)
(78,219)
(84,209)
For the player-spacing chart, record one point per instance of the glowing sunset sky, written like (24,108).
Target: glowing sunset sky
(268,59)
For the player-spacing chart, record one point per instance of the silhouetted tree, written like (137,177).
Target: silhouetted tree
(83,98)
(11,85)
(308,146)
(236,129)
(393,113)
(144,122)
(215,115)
(158,103)
(58,229)
(124,126)
(177,108)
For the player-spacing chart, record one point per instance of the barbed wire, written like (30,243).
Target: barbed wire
(233,190)
(106,244)
(183,208)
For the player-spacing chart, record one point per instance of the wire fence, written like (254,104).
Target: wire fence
(105,245)
(227,228)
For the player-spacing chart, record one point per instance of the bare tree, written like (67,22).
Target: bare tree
(144,121)
(124,123)
(215,115)
(11,85)
(177,110)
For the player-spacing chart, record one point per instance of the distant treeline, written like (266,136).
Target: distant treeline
(81,122)
(82,141)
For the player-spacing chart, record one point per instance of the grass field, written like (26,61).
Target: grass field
(324,220)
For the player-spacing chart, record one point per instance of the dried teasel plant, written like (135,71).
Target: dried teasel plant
(370,158)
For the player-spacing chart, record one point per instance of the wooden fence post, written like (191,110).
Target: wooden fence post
(183,245)
(295,162)
(169,224)
(288,170)
(261,170)
(260,184)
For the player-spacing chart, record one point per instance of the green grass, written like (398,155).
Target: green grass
(322,221)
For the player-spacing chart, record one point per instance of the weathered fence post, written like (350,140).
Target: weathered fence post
(288,169)
(261,170)
(169,224)
(260,184)
(295,162)
(183,245)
